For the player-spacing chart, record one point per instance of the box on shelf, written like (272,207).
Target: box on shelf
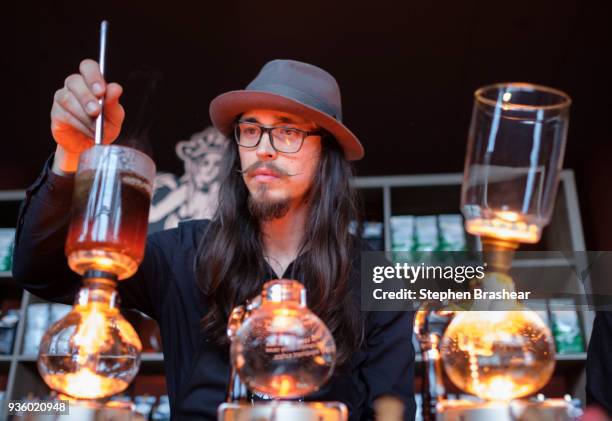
(566,327)
(58,311)
(451,234)
(144,405)
(37,320)
(8,328)
(402,232)
(373,234)
(7,237)
(414,235)
(40,316)
(402,237)
(425,233)
(162,411)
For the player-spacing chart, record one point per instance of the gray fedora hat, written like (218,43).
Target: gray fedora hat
(294,87)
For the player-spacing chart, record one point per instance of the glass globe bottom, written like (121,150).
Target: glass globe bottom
(283,349)
(93,352)
(292,358)
(498,355)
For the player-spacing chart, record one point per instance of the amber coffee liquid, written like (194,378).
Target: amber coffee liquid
(109,221)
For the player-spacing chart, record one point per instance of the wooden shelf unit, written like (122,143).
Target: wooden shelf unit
(382,197)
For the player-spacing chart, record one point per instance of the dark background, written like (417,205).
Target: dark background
(407,71)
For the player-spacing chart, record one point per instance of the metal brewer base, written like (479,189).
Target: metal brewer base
(283,410)
(516,410)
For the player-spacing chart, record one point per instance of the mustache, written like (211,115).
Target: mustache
(269,166)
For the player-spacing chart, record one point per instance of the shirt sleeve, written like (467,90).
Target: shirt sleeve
(389,365)
(599,362)
(40,265)
(388,368)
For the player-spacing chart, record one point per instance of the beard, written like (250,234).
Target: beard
(264,209)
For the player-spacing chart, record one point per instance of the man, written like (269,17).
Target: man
(285,206)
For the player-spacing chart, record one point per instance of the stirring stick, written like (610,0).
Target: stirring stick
(100,119)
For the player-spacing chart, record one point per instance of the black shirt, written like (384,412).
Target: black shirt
(599,362)
(165,288)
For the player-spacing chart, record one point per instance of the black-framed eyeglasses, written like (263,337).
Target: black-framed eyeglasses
(283,139)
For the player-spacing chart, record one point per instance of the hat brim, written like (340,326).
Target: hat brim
(226,107)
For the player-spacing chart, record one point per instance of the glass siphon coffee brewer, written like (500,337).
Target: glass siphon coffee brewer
(279,350)
(501,351)
(93,352)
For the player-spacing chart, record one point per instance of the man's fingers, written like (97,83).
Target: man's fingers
(113,111)
(90,70)
(77,85)
(77,105)
(113,92)
(114,115)
(68,101)
(61,120)
(77,100)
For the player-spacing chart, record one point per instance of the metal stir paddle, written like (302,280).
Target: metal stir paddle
(99,135)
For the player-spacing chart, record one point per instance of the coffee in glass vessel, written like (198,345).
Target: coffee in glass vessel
(110,210)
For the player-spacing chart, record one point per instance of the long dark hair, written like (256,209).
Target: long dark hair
(230,261)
